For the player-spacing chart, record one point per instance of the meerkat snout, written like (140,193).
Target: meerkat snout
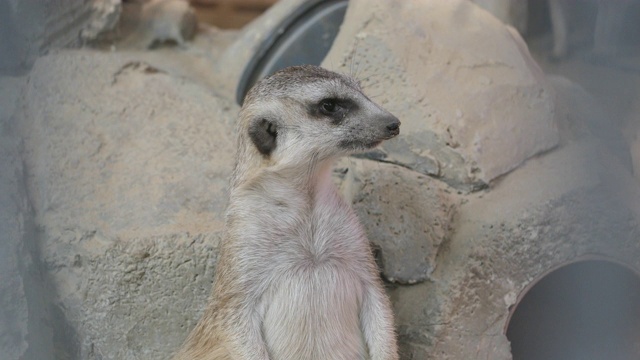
(389,126)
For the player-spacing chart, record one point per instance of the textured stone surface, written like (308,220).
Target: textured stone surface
(31,28)
(122,144)
(407,215)
(25,326)
(551,211)
(104,17)
(128,170)
(473,103)
(555,209)
(13,210)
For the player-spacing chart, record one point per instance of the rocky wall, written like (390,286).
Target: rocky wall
(30,28)
(128,169)
(474,105)
(24,328)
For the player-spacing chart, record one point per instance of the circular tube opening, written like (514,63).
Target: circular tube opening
(305,37)
(586,310)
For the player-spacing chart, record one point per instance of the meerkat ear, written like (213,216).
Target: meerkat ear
(263,133)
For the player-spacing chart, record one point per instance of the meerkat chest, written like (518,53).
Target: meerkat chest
(335,234)
(314,306)
(294,230)
(314,313)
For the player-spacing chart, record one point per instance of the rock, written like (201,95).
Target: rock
(104,17)
(14,317)
(473,103)
(407,216)
(551,211)
(128,168)
(31,28)
(571,204)
(25,331)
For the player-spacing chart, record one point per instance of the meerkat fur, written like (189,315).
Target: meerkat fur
(296,279)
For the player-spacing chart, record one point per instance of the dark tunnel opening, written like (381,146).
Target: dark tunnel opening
(588,310)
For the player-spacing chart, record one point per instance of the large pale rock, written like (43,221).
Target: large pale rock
(407,215)
(472,102)
(122,143)
(551,211)
(128,167)
(574,203)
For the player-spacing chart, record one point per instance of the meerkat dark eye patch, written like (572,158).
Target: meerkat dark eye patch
(336,109)
(263,134)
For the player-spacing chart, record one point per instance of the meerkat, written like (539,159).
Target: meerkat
(296,279)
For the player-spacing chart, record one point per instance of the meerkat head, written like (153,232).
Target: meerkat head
(306,112)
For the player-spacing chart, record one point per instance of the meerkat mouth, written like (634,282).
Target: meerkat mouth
(358,145)
(367,144)
(374,144)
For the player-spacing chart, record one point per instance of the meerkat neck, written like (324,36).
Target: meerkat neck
(307,177)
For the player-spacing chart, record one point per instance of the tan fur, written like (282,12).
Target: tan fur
(296,278)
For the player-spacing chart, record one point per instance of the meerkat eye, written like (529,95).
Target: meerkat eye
(271,130)
(328,106)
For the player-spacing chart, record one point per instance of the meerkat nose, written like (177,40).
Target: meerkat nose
(394,125)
